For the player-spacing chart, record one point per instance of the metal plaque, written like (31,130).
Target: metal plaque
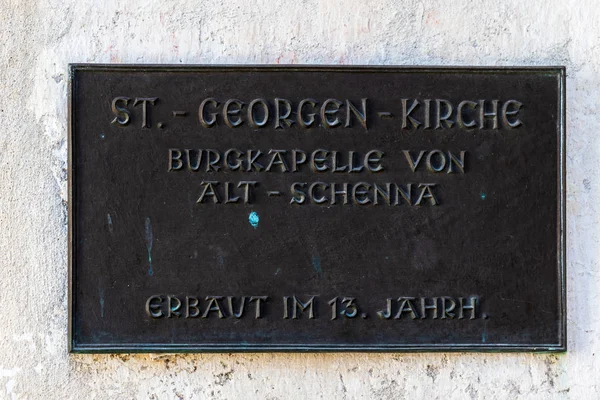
(316,208)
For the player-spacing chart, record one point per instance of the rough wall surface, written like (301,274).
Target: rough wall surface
(40,38)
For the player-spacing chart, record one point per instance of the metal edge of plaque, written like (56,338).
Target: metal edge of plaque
(561,346)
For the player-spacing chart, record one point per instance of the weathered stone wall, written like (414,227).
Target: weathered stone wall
(40,38)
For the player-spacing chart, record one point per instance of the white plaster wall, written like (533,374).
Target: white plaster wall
(39,39)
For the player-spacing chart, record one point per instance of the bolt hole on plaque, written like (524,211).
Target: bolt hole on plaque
(316,208)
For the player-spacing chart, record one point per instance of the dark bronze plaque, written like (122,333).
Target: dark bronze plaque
(268,208)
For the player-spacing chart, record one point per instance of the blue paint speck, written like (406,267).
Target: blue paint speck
(149,241)
(101,303)
(316,262)
(253,219)
(102,135)
(483,196)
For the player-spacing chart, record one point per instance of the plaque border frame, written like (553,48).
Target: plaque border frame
(560,346)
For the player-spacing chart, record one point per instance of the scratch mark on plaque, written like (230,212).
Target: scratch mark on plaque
(253,219)
(484,336)
(149,240)
(517,300)
(316,262)
(277,272)
(101,303)
(110,224)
